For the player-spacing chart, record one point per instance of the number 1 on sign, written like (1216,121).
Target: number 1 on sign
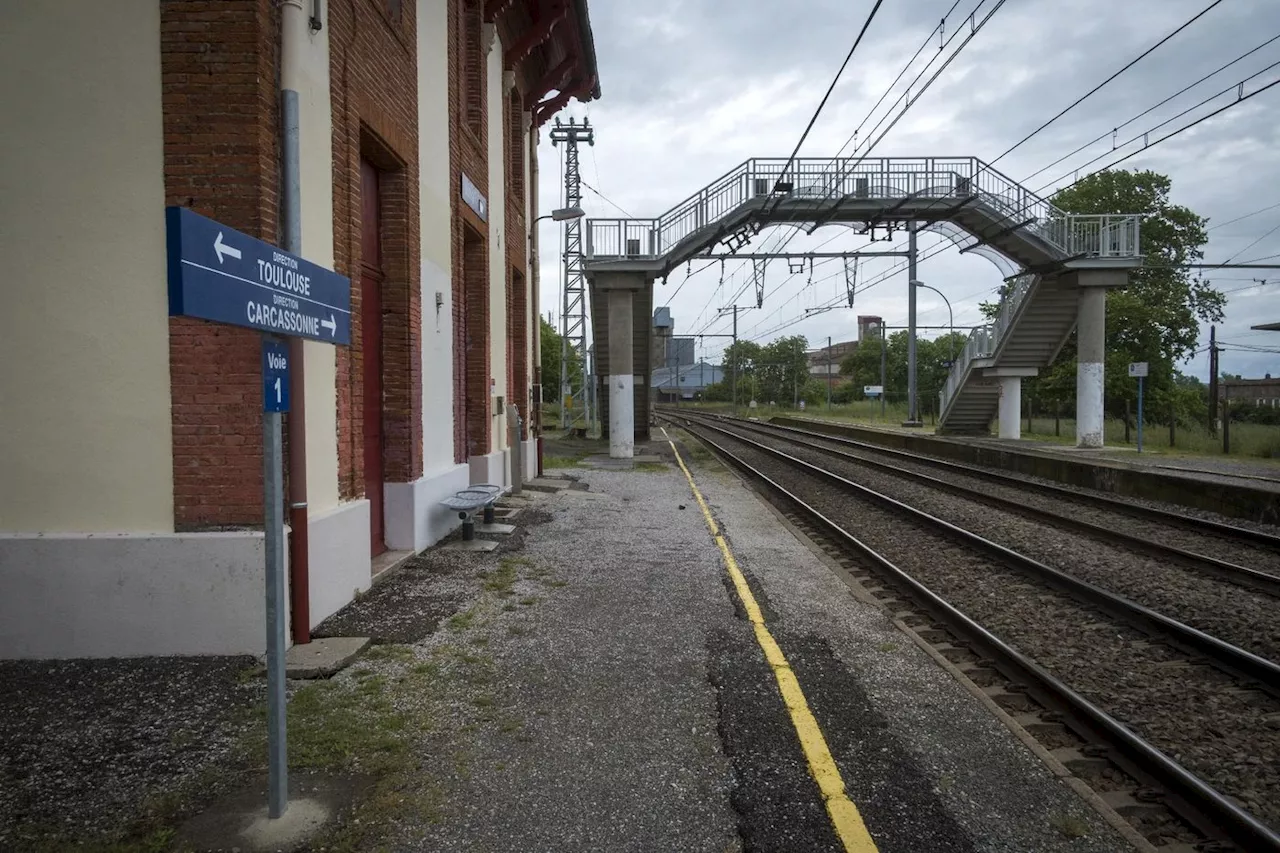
(278,400)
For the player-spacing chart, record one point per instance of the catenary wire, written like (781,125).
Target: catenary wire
(1098,87)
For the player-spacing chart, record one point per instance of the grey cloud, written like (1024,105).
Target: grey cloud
(693,88)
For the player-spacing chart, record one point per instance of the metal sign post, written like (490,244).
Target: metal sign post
(275,401)
(219,274)
(1139,369)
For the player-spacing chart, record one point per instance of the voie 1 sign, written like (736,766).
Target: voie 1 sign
(220,274)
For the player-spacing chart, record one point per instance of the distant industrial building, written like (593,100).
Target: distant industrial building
(685,382)
(1259,392)
(668,350)
(869,326)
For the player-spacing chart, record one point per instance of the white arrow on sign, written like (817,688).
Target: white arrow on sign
(331,324)
(220,248)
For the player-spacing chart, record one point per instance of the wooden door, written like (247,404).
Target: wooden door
(371,278)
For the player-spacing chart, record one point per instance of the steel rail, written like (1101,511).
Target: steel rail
(1243,664)
(1204,807)
(1218,528)
(1244,576)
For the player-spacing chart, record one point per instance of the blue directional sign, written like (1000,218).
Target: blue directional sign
(217,273)
(275,376)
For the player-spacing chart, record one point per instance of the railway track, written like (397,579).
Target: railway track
(1232,602)
(1122,661)
(1262,546)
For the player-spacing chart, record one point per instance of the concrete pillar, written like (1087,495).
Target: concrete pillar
(1091,328)
(622,401)
(1010,407)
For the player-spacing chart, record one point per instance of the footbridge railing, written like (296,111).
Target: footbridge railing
(936,183)
(985,340)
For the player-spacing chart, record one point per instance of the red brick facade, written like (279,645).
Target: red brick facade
(221,158)
(468,152)
(372,42)
(517,258)
(218,61)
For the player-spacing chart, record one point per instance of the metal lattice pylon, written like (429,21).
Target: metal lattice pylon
(574,414)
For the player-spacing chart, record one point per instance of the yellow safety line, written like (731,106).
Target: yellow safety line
(845,818)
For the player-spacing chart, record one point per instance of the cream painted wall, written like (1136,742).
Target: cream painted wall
(435,215)
(86,442)
(316,165)
(497,241)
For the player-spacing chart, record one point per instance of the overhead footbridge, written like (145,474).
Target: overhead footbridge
(1059,267)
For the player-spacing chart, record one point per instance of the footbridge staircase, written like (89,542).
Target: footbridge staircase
(1046,253)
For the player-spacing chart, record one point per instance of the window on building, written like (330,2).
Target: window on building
(515,145)
(473,62)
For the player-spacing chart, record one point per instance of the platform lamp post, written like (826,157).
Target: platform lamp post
(564,214)
(951,320)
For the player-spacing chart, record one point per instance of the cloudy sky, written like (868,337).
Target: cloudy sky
(691,88)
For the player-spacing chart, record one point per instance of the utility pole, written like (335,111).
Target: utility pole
(828,373)
(574,310)
(733,373)
(1213,380)
(913,415)
(884,361)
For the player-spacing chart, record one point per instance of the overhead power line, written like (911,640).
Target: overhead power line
(1245,216)
(1098,87)
(973,31)
(865,26)
(1148,146)
(1153,107)
(1251,245)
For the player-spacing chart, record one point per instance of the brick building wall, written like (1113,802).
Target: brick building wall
(468,152)
(517,257)
(372,42)
(218,60)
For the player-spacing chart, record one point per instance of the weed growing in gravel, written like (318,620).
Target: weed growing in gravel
(888,647)
(651,467)
(562,461)
(389,651)
(462,621)
(1069,825)
(529,601)
(502,579)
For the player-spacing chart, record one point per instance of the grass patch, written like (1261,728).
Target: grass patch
(888,647)
(562,462)
(389,651)
(519,630)
(334,727)
(651,467)
(462,621)
(1069,825)
(529,601)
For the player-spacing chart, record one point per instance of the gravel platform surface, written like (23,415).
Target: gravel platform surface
(607,722)
(1232,613)
(1172,533)
(84,744)
(1193,713)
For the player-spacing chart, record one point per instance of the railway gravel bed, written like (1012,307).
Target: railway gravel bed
(1228,611)
(1195,714)
(1195,512)
(1241,553)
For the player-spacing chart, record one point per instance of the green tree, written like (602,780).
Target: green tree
(551,343)
(933,356)
(740,360)
(782,370)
